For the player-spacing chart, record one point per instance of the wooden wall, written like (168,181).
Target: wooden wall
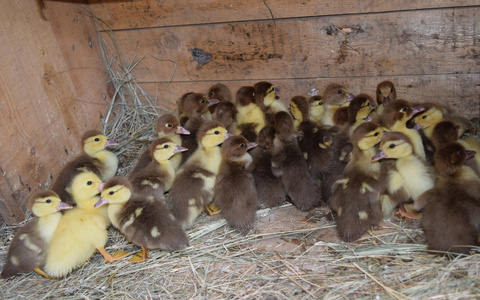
(52,90)
(429,49)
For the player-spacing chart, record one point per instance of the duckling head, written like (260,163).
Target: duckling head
(386,92)
(220,92)
(163,148)
(367,135)
(85,186)
(317,106)
(283,124)
(193,105)
(226,113)
(245,96)
(400,111)
(94,141)
(46,202)
(116,190)
(235,147)
(445,132)
(264,93)
(359,108)
(299,108)
(449,158)
(429,117)
(266,137)
(337,95)
(168,125)
(212,134)
(394,145)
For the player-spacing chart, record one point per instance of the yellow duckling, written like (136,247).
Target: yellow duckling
(194,183)
(409,176)
(317,107)
(145,222)
(95,157)
(81,230)
(28,248)
(250,117)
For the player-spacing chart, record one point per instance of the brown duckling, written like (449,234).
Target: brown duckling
(290,165)
(193,186)
(94,157)
(356,193)
(27,250)
(266,99)
(235,192)
(408,176)
(386,92)
(226,113)
(269,187)
(219,92)
(250,117)
(334,97)
(451,209)
(193,106)
(145,222)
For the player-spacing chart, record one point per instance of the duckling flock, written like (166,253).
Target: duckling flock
(363,157)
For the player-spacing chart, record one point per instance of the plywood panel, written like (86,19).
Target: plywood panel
(166,13)
(460,93)
(440,43)
(43,113)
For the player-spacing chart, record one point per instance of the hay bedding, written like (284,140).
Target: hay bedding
(289,255)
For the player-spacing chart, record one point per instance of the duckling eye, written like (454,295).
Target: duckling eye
(376,134)
(404,109)
(242,145)
(169,125)
(339,92)
(48,201)
(202,101)
(111,192)
(320,103)
(424,117)
(166,146)
(211,93)
(391,90)
(89,182)
(391,146)
(380,92)
(368,103)
(217,132)
(97,139)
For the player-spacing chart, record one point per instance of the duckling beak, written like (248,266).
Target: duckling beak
(350,97)
(379,156)
(368,119)
(181,130)
(386,100)
(100,202)
(111,143)
(417,126)
(417,109)
(251,145)
(100,186)
(212,102)
(62,205)
(179,149)
(470,154)
(227,135)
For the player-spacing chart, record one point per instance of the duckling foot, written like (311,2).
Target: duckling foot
(41,272)
(407,212)
(212,209)
(112,258)
(140,256)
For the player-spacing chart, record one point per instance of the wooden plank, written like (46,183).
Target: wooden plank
(151,13)
(40,104)
(457,92)
(429,42)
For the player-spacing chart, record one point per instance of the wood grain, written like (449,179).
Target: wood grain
(167,13)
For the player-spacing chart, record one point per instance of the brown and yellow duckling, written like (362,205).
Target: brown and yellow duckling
(27,251)
(356,193)
(193,186)
(235,192)
(451,209)
(220,92)
(250,117)
(334,97)
(146,222)
(317,107)
(266,99)
(408,176)
(94,157)
(290,165)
